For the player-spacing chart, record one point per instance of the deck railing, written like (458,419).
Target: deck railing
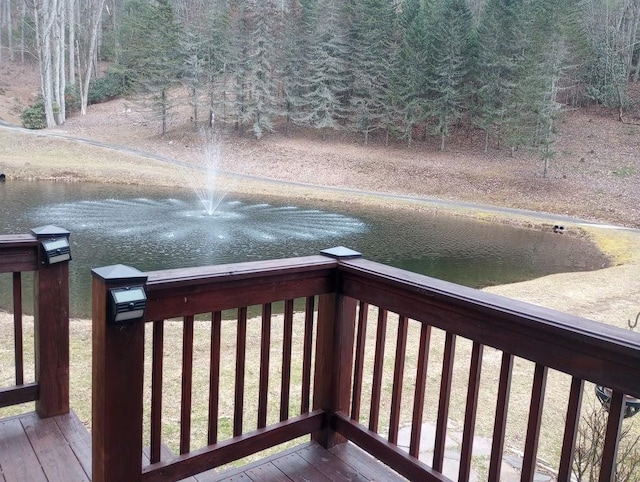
(331,330)
(20,254)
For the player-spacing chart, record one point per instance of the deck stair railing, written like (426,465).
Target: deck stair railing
(354,350)
(24,254)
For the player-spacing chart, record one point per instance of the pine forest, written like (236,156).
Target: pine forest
(383,70)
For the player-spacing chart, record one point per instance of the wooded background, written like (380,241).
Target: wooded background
(384,68)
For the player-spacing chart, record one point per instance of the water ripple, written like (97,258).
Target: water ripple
(176,219)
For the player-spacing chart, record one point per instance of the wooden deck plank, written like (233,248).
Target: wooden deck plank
(298,469)
(78,438)
(17,460)
(217,475)
(267,473)
(329,465)
(52,450)
(365,464)
(241,477)
(311,463)
(59,449)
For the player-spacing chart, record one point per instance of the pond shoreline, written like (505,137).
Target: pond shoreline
(55,156)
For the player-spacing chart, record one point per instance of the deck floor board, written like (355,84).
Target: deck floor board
(56,457)
(18,461)
(78,438)
(58,449)
(311,463)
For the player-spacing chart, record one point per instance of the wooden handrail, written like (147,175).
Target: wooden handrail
(593,351)
(345,290)
(22,253)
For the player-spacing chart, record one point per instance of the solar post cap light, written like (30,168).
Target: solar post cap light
(54,242)
(126,299)
(127,304)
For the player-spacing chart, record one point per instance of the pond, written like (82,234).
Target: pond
(155,228)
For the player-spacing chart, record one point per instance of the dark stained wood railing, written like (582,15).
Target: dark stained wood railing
(50,389)
(350,387)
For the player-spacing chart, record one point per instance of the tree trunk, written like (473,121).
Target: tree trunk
(22,24)
(1,24)
(71,44)
(48,17)
(194,97)
(6,25)
(59,70)
(85,65)
(163,97)
(41,14)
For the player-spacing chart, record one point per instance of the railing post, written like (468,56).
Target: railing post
(51,324)
(334,354)
(118,369)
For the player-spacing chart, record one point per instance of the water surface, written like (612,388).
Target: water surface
(155,228)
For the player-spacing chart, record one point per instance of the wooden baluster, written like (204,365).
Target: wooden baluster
(307,350)
(287,342)
(398,376)
(17,328)
(612,437)
(533,427)
(157,355)
(241,348)
(363,312)
(571,429)
(443,403)
(470,412)
(378,368)
(187,384)
(265,348)
(214,378)
(500,424)
(421,383)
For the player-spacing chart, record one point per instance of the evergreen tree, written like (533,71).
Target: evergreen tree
(326,83)
(408,92)
(297,30)
(498,61)
(151,53)
(450,65)
(218,62)
(194,68)
(546,56)
(261,104)
(372,40)
(252,60)
(238,36)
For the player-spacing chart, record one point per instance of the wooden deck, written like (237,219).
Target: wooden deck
(311,463)
(50,449)
(58,449)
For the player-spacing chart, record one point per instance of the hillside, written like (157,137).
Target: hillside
(595,174)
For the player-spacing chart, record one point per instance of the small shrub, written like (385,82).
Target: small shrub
(111,85)
(72,98)
(590,444)
(33,117)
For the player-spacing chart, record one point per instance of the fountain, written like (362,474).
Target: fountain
(209,192)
